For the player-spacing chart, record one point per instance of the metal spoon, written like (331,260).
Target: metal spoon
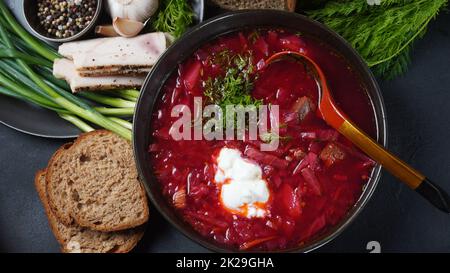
(334,116)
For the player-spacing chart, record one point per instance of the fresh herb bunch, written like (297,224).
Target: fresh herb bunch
(233,88)
(174,17)
(382,34)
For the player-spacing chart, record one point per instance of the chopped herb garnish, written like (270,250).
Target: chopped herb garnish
(235,86)
(271,136)
(254,36)
(222,58)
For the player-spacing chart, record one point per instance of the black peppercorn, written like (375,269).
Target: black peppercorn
(65,18)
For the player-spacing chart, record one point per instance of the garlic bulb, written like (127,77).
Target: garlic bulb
(136,10)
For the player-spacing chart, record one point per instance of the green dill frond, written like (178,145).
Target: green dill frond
(233,88)
(382,34)
(174,17)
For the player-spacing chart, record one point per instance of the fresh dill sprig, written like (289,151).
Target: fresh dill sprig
(174,17)
(382,34)
(235,86)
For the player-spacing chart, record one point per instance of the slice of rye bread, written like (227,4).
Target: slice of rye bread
(288,5)
(94,183)
(74,238)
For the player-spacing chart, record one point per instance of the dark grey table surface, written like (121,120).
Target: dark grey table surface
(419,131)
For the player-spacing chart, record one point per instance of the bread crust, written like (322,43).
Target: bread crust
(134,237)
(65,219)
(48,211)
(73,216)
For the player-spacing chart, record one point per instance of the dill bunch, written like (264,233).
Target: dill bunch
(174,17)
(383,34)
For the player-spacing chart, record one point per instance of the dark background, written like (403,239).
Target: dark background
(419,131)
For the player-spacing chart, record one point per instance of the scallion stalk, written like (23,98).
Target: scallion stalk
(127,97)
(124,112)
(122,122)
(38,86)
(116,102)
(48,75)
(77,122)
(87,113)
(24,92)
(12,69)
(119,112)
(24,35)
(14,54)
(129,92)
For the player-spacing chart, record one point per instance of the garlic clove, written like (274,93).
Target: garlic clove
(137,10)
(107,31)
(127,28)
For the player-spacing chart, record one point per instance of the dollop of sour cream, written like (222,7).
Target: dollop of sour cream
(243,191)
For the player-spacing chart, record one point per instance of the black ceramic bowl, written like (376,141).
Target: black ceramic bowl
(197,37)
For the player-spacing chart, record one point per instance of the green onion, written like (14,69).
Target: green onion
(24,35)
(37,85)
(87,112)
(121,112)
(122,122)
(24,92)
(12,69)
(15,95)
(47,74)
(11,53)
(129,98)
(115,111)
(129,92)
(9,93)
(116,102)
(77,122)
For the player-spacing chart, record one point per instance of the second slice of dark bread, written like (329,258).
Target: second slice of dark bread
(94,183)
(75,239)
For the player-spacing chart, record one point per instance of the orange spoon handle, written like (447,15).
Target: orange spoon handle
(390,162)
(337,119)
(331,113)
(413,178)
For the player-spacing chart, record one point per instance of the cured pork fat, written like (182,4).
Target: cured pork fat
(115,56)
(65,69)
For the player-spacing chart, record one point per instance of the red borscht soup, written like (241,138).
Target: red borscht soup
(231,191)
